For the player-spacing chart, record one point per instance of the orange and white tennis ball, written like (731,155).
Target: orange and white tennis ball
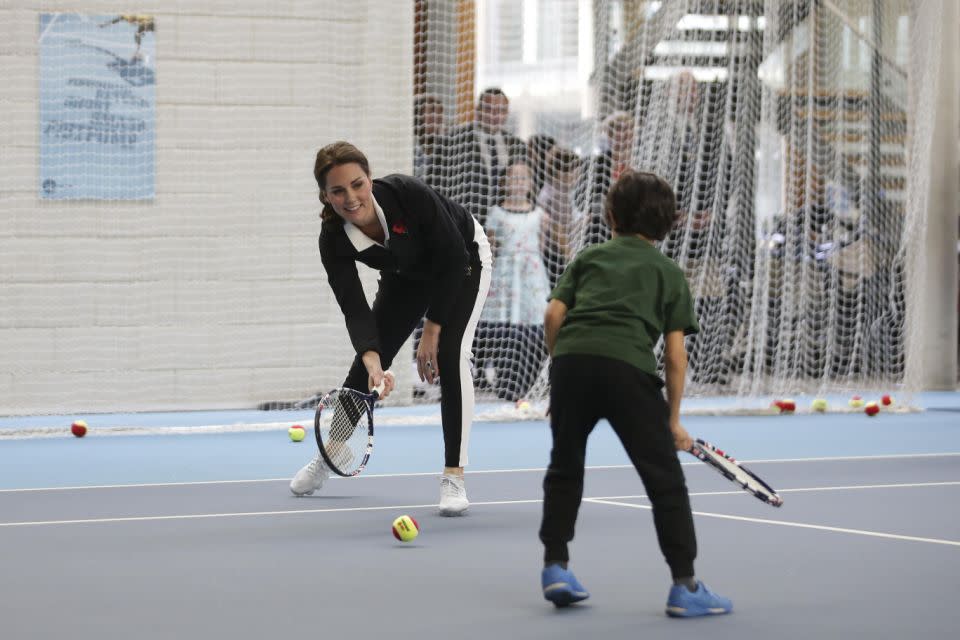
(856,402)
(79,428)
(405,529)
(871,409)
(296,433)
(819,405)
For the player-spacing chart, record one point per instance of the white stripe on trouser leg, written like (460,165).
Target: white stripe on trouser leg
(466,378)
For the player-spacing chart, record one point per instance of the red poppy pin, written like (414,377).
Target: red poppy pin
(399,227)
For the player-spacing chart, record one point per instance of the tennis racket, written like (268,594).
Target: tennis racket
(735,472)
(343,425)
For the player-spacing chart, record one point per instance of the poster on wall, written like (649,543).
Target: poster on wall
(97,106)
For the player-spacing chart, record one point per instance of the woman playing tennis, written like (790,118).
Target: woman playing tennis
(434,262)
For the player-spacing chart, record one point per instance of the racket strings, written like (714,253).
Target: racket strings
(343,430)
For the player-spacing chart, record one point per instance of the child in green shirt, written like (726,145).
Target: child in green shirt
(606,314)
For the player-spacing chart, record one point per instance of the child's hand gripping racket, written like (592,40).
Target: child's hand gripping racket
(735,472)
(343,425)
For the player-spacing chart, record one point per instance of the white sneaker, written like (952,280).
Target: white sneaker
(453,495)
(310,478)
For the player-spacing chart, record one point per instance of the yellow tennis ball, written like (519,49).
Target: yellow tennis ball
(856,402)
(819,404)
(405,529)
(296,433)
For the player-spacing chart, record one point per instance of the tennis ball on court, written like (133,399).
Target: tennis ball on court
(886,400)
(856,402)
(819,405)
(785,406)
(79,428)
(405,529)
(296,433)
(523,405)
(871,409)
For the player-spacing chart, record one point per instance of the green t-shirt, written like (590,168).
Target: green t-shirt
(621,296)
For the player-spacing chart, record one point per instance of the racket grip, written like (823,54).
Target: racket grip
(377,390)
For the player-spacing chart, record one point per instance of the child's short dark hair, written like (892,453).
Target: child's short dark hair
(641,202)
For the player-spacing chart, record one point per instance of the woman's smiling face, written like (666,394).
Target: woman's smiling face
(349,191)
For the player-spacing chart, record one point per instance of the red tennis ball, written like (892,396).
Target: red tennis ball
(871,409)
(79,428)
(886,400)
(785,406)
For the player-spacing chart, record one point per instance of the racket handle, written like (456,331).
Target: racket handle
(377,390)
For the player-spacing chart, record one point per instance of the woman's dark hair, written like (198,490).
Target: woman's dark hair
(642,202)
(334,155)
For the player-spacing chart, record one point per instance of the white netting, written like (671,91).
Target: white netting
(782,126)
(183,273)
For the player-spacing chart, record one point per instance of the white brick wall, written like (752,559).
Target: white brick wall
(211,295)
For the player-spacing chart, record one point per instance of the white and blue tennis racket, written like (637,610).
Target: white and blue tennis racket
(735,472)
(343,425)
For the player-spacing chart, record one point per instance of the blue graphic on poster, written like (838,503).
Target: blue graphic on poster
(97,106)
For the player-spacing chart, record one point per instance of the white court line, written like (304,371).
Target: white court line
(598,500)
(785,523)
(201,516)
(365,476)
(696,463)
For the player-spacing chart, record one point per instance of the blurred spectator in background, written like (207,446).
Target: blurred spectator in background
(428,127)
(676,134)
(564,217)
(538,146)
(477,155)
(616,147)
(509,343)
(616,150)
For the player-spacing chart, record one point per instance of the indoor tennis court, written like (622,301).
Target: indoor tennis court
(188,535)
(187,190)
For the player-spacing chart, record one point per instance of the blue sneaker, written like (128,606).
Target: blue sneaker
(683,603)
(561,587)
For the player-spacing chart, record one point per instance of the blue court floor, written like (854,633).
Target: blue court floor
(195,534)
